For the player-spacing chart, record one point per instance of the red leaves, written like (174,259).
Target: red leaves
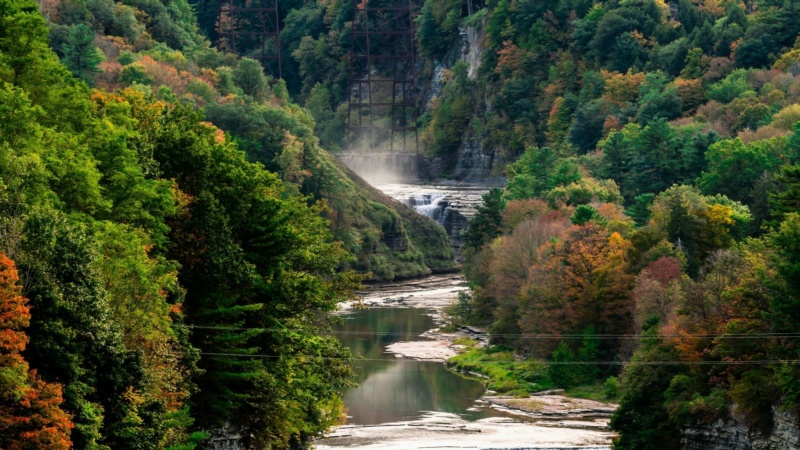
(30,413)
(664,270)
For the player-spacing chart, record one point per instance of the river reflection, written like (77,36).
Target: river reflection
(392,389)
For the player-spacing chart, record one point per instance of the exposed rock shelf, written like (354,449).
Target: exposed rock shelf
(733,434)
(450,206)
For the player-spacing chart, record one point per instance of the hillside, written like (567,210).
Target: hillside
(647,235)
(161,278)
(172,227)
(158,49)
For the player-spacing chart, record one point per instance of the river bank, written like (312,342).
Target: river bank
(544,421)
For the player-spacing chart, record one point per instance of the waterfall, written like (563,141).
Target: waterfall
(433,206)
(449,206)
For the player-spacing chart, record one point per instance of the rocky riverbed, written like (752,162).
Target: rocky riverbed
(549,421)
(442,430)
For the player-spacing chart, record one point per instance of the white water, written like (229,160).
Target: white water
(450,206)
(430,206)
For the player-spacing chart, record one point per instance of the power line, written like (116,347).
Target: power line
(527,335)
(552,363)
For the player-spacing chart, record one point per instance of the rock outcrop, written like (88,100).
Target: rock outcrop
(475,162)
(452,208)
(734,434)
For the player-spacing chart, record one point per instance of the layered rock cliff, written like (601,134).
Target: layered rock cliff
(734,434)
(476,162)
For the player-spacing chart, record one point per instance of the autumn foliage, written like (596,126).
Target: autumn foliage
(30,412)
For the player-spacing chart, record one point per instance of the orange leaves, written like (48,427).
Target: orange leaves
(30,413)
(690,92)
(509,60)
(14,313)
(579,282)
(47,425)
(219,135)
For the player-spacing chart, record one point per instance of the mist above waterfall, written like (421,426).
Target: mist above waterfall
(385,168)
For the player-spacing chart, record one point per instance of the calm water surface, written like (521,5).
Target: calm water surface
(393,389)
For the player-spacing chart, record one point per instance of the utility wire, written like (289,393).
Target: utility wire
(529,335)
(551,363)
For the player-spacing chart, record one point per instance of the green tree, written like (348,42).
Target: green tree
(642,418)
(734,167)
(257,268)
(249,76)
(656,163)
(485,225)
(80,55)
(786,201)
(529,176)
(437,26)
(585,213)
(639,211)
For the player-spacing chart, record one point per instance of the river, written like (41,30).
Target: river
(402,403)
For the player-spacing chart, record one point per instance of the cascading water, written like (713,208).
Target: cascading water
(433,206)
(450,206)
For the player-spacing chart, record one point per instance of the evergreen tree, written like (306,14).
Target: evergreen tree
(640,209)
(80,55)
(485,225)
(786,201)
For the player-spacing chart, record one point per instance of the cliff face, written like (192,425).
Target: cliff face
(476,162)
(734,434)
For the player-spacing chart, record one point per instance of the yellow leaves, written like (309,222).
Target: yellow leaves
(787,60)
(720,215)
(641,39)
(690,92)
(616,241)
(292,160)
(621,88)
(219,135)
(715,7)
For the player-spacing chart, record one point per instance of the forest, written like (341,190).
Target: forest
(649,225)
(173,228)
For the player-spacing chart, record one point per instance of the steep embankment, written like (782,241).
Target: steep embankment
(113,48)
(471,159)
(389,238)
(736,434)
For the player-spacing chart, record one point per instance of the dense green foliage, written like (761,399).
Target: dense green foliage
(177,283)
(653,154)
(156,48)
(652,191)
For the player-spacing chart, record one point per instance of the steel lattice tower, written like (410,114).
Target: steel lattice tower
(382,112)
(253,24)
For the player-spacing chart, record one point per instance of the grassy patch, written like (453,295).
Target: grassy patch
(528,404)
(599,391)
(510,375)
(507,374)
